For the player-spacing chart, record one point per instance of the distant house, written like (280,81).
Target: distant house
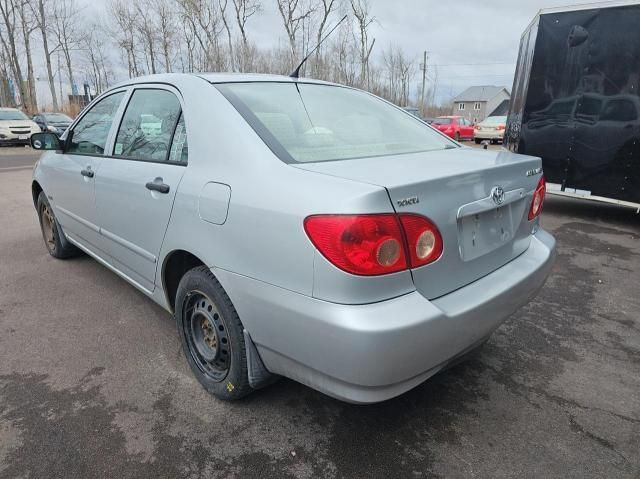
(478,102)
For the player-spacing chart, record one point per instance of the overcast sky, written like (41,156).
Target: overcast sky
(485,33)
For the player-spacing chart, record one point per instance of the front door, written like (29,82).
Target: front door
(73,172)
(137,184)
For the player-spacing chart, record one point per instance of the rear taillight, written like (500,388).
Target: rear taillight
(538,199)
(423,239)
(500,127)
(371,245)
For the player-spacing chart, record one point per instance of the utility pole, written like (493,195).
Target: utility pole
(423,67)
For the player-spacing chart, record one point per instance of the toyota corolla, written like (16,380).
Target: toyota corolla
(296,228)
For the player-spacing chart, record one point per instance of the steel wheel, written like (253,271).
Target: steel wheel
(206,333)
(48,227)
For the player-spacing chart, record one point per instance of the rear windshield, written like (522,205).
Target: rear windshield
(12,115)
(495,120)
(442,121)
(303,122)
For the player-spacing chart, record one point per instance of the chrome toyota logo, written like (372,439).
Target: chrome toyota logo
(497,194)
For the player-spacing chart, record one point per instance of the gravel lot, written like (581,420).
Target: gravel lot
(93,382)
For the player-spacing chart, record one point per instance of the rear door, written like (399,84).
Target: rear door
(137,183)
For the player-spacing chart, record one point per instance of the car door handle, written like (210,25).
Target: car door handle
(158,185)
(87,172)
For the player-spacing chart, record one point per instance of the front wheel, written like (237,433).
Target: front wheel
(457,136)
(212,335)
(478,141)
(57,245)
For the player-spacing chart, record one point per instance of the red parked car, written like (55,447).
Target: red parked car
(455,127)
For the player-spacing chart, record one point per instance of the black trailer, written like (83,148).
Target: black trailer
(576,100)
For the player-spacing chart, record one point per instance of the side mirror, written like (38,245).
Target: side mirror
(45,141)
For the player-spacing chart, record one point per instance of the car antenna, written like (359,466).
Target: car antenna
(296,72)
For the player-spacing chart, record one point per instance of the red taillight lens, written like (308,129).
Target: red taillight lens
(366,245)
(371,245)
(538,199)
(500,127)
(423,239)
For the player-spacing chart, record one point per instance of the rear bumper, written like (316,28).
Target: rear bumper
(488,135)
(373,352)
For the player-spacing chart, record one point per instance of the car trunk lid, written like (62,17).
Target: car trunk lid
(455,189)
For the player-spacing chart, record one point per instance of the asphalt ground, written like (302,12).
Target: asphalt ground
(93,382)
(13,157)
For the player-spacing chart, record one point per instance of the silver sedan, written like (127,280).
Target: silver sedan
(296,228)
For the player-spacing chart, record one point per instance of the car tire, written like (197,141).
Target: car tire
(478,141)
(457,136)
(54,240)
(212,335)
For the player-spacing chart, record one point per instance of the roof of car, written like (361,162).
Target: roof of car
(225,77)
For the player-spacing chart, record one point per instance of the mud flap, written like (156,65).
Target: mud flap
(259,376)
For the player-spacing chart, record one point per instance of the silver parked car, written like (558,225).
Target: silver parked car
(308,229)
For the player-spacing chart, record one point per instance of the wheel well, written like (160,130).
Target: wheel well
(175,266)
(36,189)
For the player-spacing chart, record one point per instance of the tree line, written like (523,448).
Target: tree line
(135,37)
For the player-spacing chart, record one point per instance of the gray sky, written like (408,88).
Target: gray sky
(456,32)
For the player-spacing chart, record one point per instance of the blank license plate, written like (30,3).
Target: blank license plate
(23,137)
(481,233)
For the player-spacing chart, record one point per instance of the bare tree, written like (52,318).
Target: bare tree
(167,28)
(146,30)
(328,7)
(40,12)
(124,19)
(294,13)
(202,18)
(227,26)
(364,19)
(28,26)
(95,46)
(8,12)
(66,31)
(245,9)
(399,71)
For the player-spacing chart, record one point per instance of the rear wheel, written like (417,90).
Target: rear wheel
(212,335)
(457,136)
(478,141)
(54,240)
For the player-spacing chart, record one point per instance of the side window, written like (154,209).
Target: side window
(89,136)
(148,125)
(179,148)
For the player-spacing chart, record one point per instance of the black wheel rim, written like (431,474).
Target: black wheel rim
(206,333)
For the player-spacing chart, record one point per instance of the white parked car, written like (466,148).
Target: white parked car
(15,127)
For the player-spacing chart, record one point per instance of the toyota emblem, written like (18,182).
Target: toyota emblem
(497,194)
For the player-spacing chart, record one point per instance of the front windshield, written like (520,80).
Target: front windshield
(306,122)
(61,117)
(12,115)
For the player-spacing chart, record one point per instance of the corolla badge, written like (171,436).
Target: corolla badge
(414,200)
(497,194)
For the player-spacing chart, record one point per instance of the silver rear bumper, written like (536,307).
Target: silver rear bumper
(373,352)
